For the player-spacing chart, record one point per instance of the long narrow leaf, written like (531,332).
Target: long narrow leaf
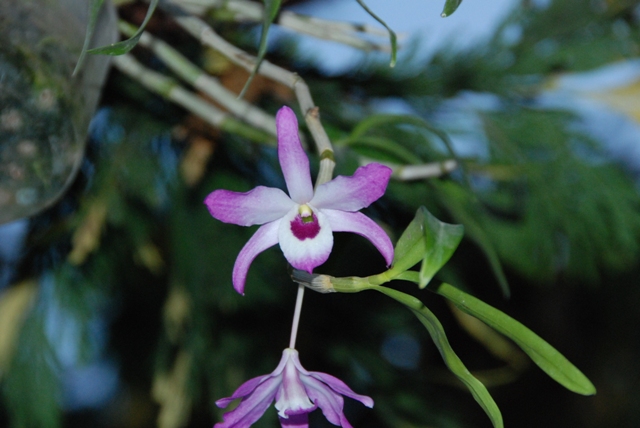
(125,46)
(392,35)
(392,150)
(456,201)
(271,9)
(544,355)
(94,11)
(453,362)
(388,119)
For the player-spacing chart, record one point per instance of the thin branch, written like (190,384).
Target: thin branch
(172,90)
(325,30)
(199,79)
(207,36)
(420,172)
(340,32)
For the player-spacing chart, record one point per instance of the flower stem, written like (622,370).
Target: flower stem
(296,317)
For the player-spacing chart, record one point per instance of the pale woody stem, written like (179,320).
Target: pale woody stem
(207,36)
(190,73)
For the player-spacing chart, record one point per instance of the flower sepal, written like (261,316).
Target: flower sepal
(296,392)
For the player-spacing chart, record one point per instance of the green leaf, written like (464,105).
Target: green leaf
(125,46)
(366,134)
(441,241)
(411,247)
(544,355)
(378,120)
(271,9)
(449,7)
(453,362)
(427,239)
(94,11)
(392,35)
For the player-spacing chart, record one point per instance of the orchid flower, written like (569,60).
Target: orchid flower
(296,392)
(303,222)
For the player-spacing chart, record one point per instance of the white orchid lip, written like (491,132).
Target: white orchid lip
(302,222)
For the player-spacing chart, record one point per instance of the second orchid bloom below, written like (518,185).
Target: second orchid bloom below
(303,222)
(296,391)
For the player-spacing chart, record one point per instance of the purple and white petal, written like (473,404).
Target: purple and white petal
(296,391)
(305,246)
(258,206)
(295,358)
(353,193)
(293,160)
(252,406)
(341,221)
(341,388)
(324,397)
(242,391)
(265,237)
(291,398)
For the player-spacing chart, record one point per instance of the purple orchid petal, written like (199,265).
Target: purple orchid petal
(324,397)
(295,421)
(353,193)
(293,160)
(305,249)
(242,391)
(297,393)
(265,237)
(341,388)
(360,224)
(252,406)
(258,206)
(256,394)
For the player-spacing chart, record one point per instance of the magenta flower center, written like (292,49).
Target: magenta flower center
(305,227)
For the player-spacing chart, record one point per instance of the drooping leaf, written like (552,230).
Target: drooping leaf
(544,355)
(453,362)
(400,121)
(379,137)
(94,11)
(125,46)
(378,120)
(450,6)
(392,35)
(384,149)
(271,9)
